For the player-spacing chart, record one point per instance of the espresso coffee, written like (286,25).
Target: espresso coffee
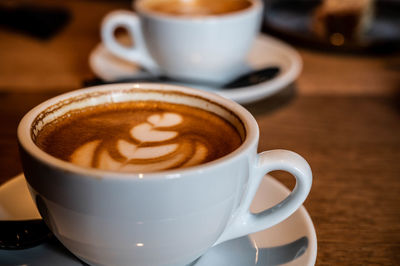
(142,136)
(195,7)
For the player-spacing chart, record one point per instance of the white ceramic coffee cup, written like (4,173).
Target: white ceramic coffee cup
(163,218)
(206,48)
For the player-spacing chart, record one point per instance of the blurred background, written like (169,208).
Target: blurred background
(50,41)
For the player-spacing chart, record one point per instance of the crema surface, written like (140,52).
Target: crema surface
(139,137)
(195,7)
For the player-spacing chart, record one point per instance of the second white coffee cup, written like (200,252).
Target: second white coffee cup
(190,47)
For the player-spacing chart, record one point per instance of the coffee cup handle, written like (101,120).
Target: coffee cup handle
(244,222)
(137,53)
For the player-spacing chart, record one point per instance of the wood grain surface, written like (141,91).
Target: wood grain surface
(342,115)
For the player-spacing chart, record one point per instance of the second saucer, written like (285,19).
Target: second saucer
(266,51)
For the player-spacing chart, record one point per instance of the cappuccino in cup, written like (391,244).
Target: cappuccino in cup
(143,136)
(149,174)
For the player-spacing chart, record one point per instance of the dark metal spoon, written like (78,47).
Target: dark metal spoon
(23,234)
(248,79)
(253,78)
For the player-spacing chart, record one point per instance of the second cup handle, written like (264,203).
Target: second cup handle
(131,22)
(244,222)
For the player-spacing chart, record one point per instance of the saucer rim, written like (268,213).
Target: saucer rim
(305,216)
(313,242)
(242,95)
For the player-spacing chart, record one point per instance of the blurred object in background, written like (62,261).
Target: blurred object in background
(343,21)
(37,21)
(336,25)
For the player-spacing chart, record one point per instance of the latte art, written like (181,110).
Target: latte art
(151,132)
(139,137)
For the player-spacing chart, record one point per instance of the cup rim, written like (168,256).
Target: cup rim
(255,5)
(27,144)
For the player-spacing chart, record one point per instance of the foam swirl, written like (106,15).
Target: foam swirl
(139,136)
(153,146)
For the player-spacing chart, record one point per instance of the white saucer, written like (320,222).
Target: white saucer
(292,242)
(266,51)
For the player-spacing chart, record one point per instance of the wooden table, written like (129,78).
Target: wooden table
(342,115)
